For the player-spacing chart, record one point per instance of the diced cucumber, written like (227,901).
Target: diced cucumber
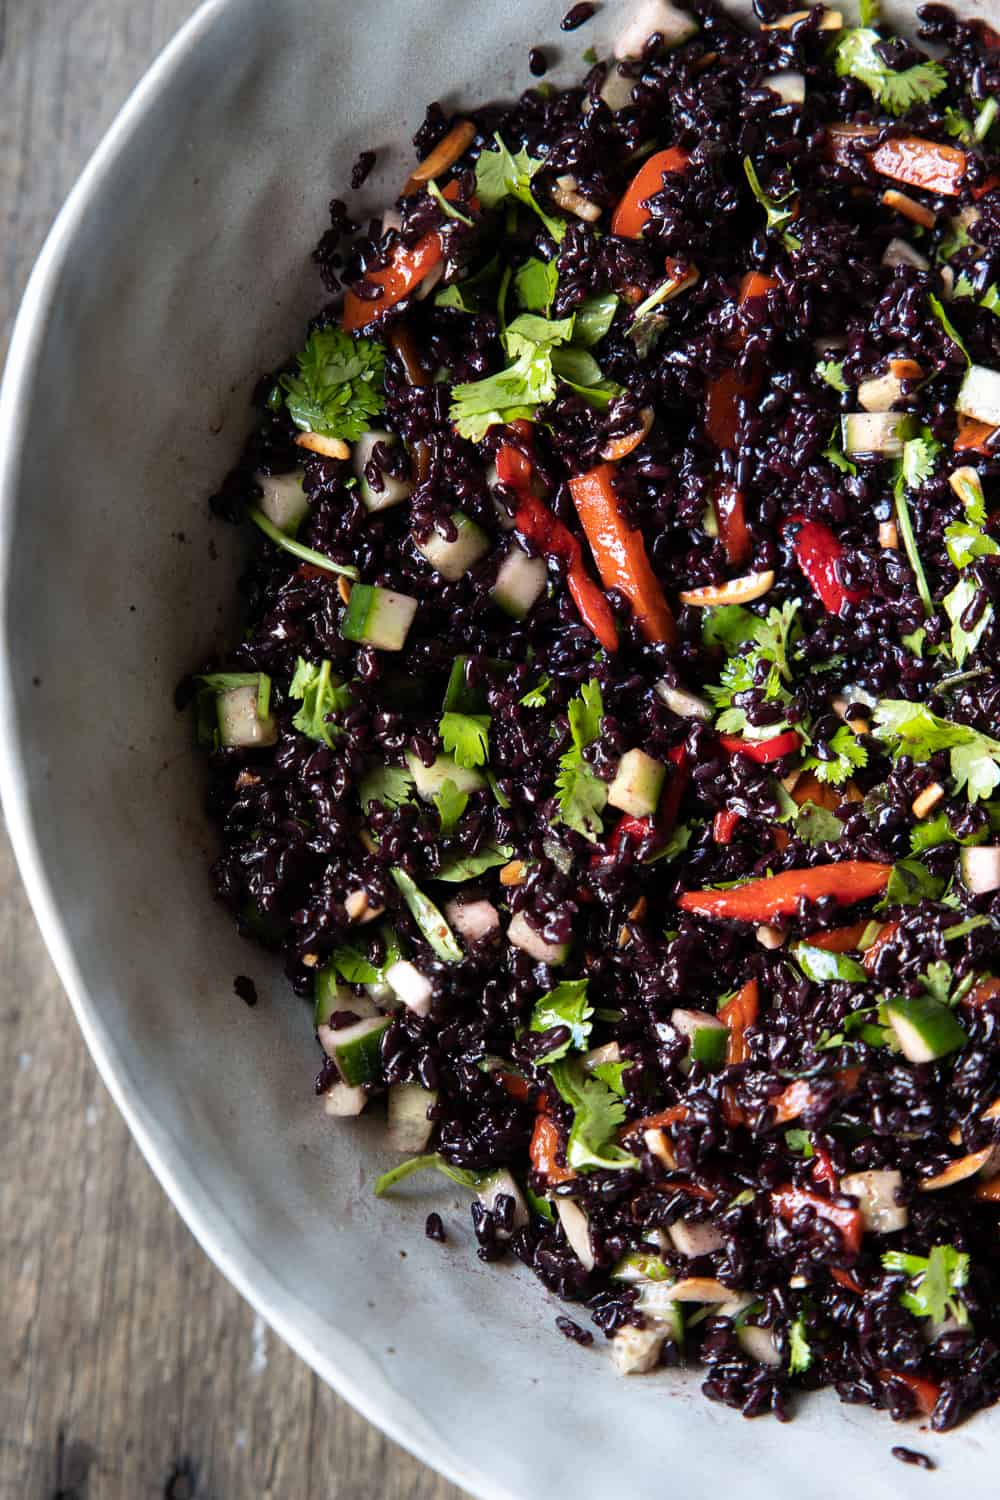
(706,1034)
(524,936)
(789,86)
(979,395)
(394,491)
(502,1183)
(981,868)
(881,392)
(924,1028)
(378,617)
(429,780)
(616,90)
(576,1228)
(453,558)
(473,920)
(241,724)
(637,784)
(654,18)
(409,985)
(344,1102)
(283,500)
(878,433)
(331,995)
(636,1351)
(902,253)
(520,583)
(356,1050)
(876,1195)
(408,1128)
(682,703)
(655,1303)
(639,1265)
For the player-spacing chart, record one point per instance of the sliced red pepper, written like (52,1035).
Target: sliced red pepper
(779,895)
(724,825)
(787,1202)
(981,993)
(514,1085)
(838,939)
(762,751)
(404,273)
(885,937)
(730,508)
(817,552)
(543,1150)
(925,1393)
(823,1168)
(739,1013)
(631,216)
(909,158)
(977,437)
(548,534)
(845,1279)
(620,552)
(662,1120)
(799,1097)
(988,186)
(722,397)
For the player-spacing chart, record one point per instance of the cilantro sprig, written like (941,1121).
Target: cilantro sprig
(580,793)
(466,737)
(566,1005)
(338,387)
(913,730)
(322,695)
(933,1282)
(598,1114)
(856,56)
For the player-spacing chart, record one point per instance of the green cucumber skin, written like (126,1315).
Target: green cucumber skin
(359,608)
(360,1061)
(708,1046)
(934,1026)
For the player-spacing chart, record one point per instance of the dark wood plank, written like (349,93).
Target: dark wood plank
(124,1355)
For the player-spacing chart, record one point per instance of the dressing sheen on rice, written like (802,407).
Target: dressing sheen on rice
(613,749)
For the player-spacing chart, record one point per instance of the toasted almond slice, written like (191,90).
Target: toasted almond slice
(344,589)
(326,447)
(356,905)
(572,202)
(925,801)
(901,203)
(888,536)
(513,874)
(444,155)
(310,960)
(960,1170)
(620,447)
(659,1144)
(770,937)
(697,1289)
(735,591)
(832,20)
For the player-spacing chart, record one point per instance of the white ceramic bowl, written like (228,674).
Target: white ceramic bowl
(178,269)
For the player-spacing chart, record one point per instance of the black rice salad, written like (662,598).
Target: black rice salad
(613,749)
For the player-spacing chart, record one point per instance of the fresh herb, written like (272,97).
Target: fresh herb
(856,56)
(847,755)
(322,695)
(597,1117)
(536,697)
(914,730)
(799,1142)
(593,318)
(451,804)
(581,372)
(466,737)
(390,785)
(729,626)
(937,308)
(778,215)
(832,371)
(432,924)
(934,1282)
(448,209)
(338,388)
(915,468)
(611,1074)
(910,883)
(930,833)
(834,453)
(824,967)
(354,968)
(955,603)
(581,794)
(470,1180)
(962,929)
(500,176)
(800,1355)
(470,866)
(297,549)
(676,844)
(817,825)
(520,389)
(566,1005)
(535,284)
(765,666)
(985,119)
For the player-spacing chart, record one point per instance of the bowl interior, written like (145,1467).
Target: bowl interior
(180,270)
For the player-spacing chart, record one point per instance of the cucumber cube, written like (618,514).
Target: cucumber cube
(429,780)
(283,500)
(378,617)
(520,583)
(637,784)
(240,725)
(707,1036)
(924,1028)
(453,558)
(356,1050)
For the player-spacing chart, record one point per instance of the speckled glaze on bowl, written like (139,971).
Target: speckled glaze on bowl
(177,270)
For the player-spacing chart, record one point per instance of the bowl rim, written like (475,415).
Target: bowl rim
(354,1380)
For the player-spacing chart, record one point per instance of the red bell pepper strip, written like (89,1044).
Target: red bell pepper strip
(787,1201)
(543,1148)
(762,751)
(977,437)
(722,397)
(924,1392)
(845,1279)
(799,1098)
(620,552)
(817,552)
(730,509)
(724,825)
(739,1013)
(885,937)
(838,939)
(546,532)
(988,186)
(631,216)
(823,1168)
(662,1120)
(404,273)
(909,159)
(779,895)
(986,990)
(514,1085)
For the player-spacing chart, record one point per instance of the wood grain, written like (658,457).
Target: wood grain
(128,1367)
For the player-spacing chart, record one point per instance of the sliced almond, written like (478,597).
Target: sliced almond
(618,448)
(326,447)
(735,591)
(356,905)
(960,1170)
(247,778)
(514,873)
(901,203)
(697,1289)
(832,20)
(344,589)
(888,536)
(659,1144)
(927,800)
(770,937)
(444,155)
(572,202)
(310,960)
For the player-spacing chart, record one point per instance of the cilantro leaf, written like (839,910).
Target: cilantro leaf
(832,371)
(773,638)
(913,730)
(778,216)
(915,468)
(566,1005)
(799,1142)
(536,697)
(581,794)
(390,785)
(729,626)
(451,804)
(919,457)
(932,832)
(937,308)
(856,57)
(824,967)
(338,388)
(469,866)
(593,318)
(934,1282)
(800,1355)
(499,176)
(910,883)
(611,1074)
(849,755)
(956,602)
(817,825)
(834,453)
(355,968)
(466,1179)
(322,694)
(597,1117)
(466,737)
(535,284)
(520,389)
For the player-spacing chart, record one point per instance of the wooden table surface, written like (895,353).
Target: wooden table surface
(129,1369)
